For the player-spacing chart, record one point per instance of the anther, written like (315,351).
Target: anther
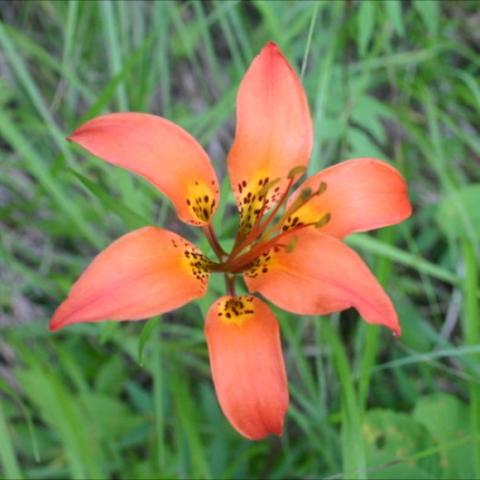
(306,194)
(321,188)
(296,171)
(323,221)
(291,245)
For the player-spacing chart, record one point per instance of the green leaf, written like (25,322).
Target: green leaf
(446,418)
(145,335)
(365,21)
(105,413)
(8,460)
(367,112)
(458,214)
(65,415)
(391,439)
(393,9)
(428,10)
(361,145)
(131,218)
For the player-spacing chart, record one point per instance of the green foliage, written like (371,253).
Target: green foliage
(458,214)
(397,80)
(393,441)
(446,418)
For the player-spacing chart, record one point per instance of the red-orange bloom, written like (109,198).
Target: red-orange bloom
(288,246)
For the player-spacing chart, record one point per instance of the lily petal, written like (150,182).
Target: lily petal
(144,273)
(160,151)
(274,130)
(361,194)
(247,365)
(320,276)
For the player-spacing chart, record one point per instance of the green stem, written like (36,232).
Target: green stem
(158,397)
(372,332)
(471,332)
(353,448)
(8,459)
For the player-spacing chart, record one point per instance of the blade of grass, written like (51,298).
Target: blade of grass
(233,46)
(72,16)
(7,453)
(8,390)
(159,392)
(321,94)
(454,352)
(309,39)
(114,56)
(373,245)
(164,68)
(372,333)
(36,165)
(30,86)
(471,333)
(353,448)
(186,409)
(208,44)
(241,31)
(37,54)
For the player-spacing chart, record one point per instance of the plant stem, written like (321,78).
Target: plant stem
(471,333)
(229,284)
(212,239)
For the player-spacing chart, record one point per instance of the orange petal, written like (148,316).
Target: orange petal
(320,276)
(247,365)
(144,273)
(274,130)
(361,194)
(162,152)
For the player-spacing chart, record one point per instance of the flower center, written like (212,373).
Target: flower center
(263,226)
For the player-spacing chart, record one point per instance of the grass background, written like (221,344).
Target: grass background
(397,80)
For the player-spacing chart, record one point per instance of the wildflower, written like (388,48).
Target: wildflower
(288,247)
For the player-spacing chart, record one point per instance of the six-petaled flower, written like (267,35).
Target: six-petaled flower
(288,247)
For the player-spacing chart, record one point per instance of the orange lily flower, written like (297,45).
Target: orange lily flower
(288,247)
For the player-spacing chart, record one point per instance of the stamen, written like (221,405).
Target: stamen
(237,265)
(242,241)
(296,171)
(321,188)
(304,197)
(257,234)
(323,221)
(306,194)
(292,244)
(214,243)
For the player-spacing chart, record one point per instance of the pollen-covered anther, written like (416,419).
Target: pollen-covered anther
(296,172)
(236,309)
(323,221)
(321,188)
